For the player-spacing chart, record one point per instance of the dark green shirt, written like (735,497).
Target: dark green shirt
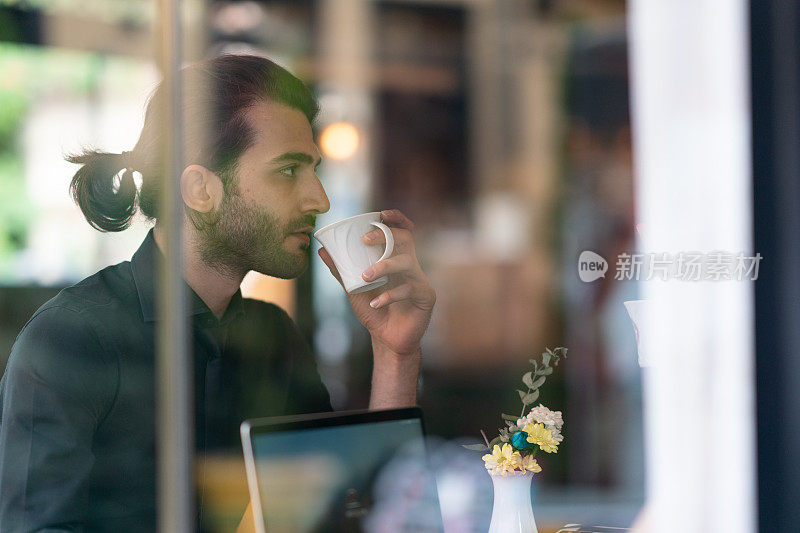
(77,401)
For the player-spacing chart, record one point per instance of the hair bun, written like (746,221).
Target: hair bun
(107,205)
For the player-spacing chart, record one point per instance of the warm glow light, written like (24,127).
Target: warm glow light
(339,140)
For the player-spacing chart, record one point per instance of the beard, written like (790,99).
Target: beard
(241,237)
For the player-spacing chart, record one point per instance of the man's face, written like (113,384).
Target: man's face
(264,220)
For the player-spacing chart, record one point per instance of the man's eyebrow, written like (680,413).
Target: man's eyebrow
(299,157)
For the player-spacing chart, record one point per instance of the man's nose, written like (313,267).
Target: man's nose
(317,200)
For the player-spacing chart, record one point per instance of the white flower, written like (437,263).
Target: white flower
(552,420)
(543,415)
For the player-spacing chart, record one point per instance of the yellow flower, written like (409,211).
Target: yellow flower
(499,461)
(505,460)
(529,464)
(542,437)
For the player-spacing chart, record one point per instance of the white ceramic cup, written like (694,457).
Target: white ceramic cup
(344,241)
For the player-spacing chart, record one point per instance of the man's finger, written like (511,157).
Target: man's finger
(403,239)
(420,294)
(394,217)
(326,258)
(396,294)
(398,264)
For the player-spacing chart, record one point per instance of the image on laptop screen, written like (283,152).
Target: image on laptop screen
(365,476)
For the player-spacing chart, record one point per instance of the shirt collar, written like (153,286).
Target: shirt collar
(143,266)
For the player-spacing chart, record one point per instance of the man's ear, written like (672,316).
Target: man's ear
(201,189)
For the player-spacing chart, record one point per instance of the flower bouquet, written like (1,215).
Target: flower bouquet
(511,457)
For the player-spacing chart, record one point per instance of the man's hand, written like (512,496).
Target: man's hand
(396,315)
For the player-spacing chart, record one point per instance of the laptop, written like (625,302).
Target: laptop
(356,471)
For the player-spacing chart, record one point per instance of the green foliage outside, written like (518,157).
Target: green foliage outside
(142,11)
(27,73)
(15,209)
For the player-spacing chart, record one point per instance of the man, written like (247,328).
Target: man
(77,440)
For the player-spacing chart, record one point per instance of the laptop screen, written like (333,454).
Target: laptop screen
(345,474)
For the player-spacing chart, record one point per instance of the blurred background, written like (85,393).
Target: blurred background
(500,127)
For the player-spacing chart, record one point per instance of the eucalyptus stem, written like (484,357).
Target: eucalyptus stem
(533,381)
(523,404)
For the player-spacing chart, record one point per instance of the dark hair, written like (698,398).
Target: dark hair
(216,94)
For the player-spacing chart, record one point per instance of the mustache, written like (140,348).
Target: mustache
(302,222)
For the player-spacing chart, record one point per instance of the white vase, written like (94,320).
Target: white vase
(512,511)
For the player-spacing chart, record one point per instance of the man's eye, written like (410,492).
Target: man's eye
(288,171)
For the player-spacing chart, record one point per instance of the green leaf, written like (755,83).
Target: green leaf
(510,418)
(522,393)
(528,380)
(495,441)
(538,383)
(476,447)
(546,358)
(547,371)
(530,398)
